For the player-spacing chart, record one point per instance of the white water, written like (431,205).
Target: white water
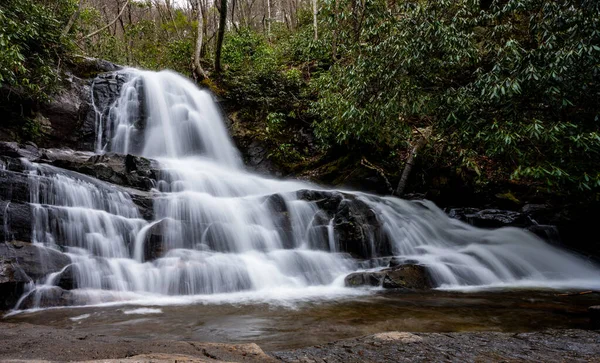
(221,238)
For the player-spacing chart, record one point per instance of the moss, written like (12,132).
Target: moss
(508,196)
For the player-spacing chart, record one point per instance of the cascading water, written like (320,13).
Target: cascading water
(219,232)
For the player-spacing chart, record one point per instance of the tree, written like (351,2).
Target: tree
(198,71)
(220,35)
(315,10)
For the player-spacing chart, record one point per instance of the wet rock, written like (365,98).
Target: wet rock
(103,91)
(66,279)
(12,283)
(400,277)
(50,296)
(491,218)
(594,317)
(357,279)
(281,218)
(357,227)
(546,232)
(125,170)
(62,117)
(14,150)
(155,243)
(21,263)
(15,221)
(35,260)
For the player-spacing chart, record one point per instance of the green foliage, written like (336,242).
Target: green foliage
(32,46)
(254,75)
(143,43)
(513,89)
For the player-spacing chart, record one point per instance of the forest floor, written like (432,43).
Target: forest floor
(28,342)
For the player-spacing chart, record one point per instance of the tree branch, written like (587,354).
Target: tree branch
(107,25)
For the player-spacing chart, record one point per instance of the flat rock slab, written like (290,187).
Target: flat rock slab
(547,346)
(28,342)
(36,343)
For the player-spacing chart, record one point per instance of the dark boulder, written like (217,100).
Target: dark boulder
(358,229)
(22,263)
(66,280)
(281,218)
(414,277)
(12,283)
(155,242)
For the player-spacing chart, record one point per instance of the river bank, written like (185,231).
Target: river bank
(53,344)
(446,325)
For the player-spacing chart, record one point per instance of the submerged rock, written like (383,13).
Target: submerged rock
(399,277)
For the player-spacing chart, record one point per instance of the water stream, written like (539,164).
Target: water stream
(222,240)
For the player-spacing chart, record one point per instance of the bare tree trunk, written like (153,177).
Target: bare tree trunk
(198,71)
(410,162)
(233,3)
(220,35)
(269,20)
(334,35)
(73,19)
(315,19)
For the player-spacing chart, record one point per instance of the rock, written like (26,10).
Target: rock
(546,232)
(12,283)
(124,170)
(594,317)
(358,229)
(88,67)
(407,277)
(21,263)
(50,296)
(62,117)
(104,92)
(66,279)
(401,277)
(15,221)
(491,218)
(281,218)
(155,243)
(35,260)
(14,150)
(357,279)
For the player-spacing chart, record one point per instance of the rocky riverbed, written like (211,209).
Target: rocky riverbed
(26,342)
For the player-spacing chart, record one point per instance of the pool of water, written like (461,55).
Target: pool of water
(309,323)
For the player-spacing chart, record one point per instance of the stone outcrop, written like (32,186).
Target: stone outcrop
(409,276)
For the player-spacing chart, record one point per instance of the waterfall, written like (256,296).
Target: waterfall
(219,229)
